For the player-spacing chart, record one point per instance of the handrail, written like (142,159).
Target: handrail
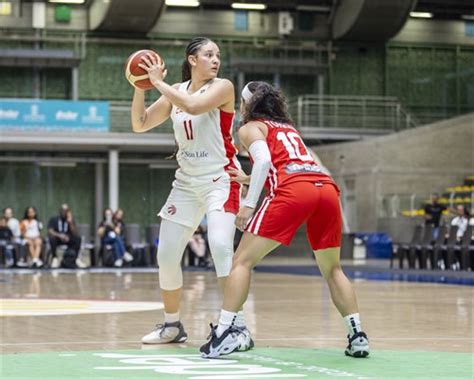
(120,112)
(361,112)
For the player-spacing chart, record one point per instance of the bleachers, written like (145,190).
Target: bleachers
(143,249)
(452,196)
(442,251)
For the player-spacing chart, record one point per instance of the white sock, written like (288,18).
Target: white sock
(353,323)
(240,320)
(227,319)
(171,317)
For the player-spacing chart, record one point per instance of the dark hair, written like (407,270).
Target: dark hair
(266,103)
(104,211)
(25,216)
(193,47)
(467,214)
(115,214)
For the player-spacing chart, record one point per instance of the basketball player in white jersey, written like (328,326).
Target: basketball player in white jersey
(202,110)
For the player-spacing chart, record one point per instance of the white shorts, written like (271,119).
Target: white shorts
(191,199)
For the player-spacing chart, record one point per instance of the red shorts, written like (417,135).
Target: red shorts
(313,203)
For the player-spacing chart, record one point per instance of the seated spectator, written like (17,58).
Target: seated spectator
(14,226)
(109,233)
(62,231)
(70,220)
(12,222)
(118,221)
(461,221)
(30,229)
(198,248)
(433,213)
(6,242)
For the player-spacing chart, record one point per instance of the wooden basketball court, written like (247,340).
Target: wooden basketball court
(82,312)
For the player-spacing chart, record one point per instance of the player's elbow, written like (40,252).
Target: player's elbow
(192,110)
(138,125)
(137,128)
(193,107)
(140,121)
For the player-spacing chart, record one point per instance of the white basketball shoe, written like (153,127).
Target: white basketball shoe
(358,345)
(169,332)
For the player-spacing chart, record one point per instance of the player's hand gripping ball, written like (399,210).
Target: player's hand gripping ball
(143,65)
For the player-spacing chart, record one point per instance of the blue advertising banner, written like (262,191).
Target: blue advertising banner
(54,115)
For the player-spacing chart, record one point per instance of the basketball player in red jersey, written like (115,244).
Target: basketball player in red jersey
(298,192)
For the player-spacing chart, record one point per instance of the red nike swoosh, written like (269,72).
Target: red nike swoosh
(215,180)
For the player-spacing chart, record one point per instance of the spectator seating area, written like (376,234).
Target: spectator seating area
(457,195)
(143,250)
(439,248)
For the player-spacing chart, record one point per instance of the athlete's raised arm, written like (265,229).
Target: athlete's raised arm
(144,119)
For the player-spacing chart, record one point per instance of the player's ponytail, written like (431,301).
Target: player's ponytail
(185,71)
(192,49)
(266,102)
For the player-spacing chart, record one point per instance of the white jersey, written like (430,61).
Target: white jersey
(205,144)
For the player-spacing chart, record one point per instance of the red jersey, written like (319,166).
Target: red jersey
(299,193)
(291,159)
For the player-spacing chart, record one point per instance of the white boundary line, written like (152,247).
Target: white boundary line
(258,339)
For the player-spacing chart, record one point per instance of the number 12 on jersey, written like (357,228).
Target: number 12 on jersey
(292,142)
(188,128)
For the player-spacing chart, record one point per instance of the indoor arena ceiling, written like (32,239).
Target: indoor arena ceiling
(450,9)
(447,9)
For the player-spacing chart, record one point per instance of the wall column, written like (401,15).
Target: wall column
(321,106)
(75,83)
(240,83)
(113,179)
(277,80)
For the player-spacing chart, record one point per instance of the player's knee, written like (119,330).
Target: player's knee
(170,280)
(219,246)
(242,261)
(333,272)
(327,268)
(222,252)
(168,261)
(222,263)
(170,274)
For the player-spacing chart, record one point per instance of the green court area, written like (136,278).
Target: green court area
(258,363)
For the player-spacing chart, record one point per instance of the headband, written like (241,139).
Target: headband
(246,93)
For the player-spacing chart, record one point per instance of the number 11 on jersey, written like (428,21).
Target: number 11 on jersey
(188,128)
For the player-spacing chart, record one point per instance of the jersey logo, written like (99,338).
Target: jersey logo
(171,210)
(216,179)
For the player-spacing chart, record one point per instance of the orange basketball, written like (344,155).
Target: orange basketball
(136,75)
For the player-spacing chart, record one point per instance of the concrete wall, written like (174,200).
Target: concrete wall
(416,161)
(435,32)
(22,18)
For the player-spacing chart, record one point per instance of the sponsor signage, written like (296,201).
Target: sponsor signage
(54,115)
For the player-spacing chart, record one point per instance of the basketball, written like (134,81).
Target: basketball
(136,75)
